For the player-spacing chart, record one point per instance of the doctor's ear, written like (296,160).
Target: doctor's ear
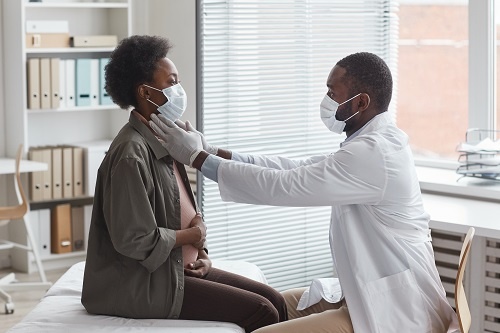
(364,102)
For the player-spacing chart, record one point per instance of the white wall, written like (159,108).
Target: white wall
(176,20)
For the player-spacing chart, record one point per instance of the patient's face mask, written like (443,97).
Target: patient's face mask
(176,102)
(328,110)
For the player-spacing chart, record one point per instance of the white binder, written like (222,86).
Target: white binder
(94,82)
(70,83)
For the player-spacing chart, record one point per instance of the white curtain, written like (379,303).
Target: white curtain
(262,73)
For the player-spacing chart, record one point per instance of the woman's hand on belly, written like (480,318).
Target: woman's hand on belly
(200,267)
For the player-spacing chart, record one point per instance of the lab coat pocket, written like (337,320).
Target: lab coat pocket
(396,304)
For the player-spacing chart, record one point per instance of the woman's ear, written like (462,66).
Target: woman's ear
(142,91)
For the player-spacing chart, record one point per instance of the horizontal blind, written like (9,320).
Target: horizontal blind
(263,67)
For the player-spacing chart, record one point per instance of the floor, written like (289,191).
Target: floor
(24,301)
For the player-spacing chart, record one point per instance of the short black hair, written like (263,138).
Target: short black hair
(133,62)
(368,73)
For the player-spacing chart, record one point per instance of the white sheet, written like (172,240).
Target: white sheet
(60,310)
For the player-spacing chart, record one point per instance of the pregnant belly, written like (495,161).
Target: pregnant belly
(189,254)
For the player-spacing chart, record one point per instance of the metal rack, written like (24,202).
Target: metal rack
(480,154)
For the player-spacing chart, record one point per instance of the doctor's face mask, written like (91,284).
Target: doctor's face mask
(328,110)
(176,102)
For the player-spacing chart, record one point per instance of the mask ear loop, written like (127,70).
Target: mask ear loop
(150,101)
(350,99)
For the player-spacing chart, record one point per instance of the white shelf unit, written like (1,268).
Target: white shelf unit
(34,127)
(48,127)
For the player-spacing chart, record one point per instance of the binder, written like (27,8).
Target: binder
(82,79)
(54,83)
(105,99)
(94,82)
(70,83)
(93,41)
(77,228)
(44,232)
(57,188)
(36,177)
(47,174)
(60,229)
(62,83)
(33,83)
(67,172)
(45,83)
(77,171)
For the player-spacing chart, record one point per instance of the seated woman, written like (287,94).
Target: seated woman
(146,255)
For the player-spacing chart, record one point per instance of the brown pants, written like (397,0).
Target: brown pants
(228,297)
(322,317)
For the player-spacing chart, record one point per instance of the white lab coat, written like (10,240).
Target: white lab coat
(379,235)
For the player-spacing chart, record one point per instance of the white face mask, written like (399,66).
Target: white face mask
(176,102)
(328,109)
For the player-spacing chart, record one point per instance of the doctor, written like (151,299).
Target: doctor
(379,231)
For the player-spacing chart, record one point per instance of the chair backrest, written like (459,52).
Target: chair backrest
(463,311)
(17,211)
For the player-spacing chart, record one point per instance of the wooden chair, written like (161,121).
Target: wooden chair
(17,214)
(462,307)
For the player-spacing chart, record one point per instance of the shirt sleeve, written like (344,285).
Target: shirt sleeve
(130,218)
(356,174)
(275,162)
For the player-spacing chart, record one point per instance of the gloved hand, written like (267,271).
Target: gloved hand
(182,145)
(188,127)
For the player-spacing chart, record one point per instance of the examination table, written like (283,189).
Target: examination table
(61,311)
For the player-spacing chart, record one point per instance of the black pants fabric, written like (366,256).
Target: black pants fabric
(228,297)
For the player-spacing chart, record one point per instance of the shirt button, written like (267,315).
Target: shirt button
(179,261)
(178,200)
(181,288)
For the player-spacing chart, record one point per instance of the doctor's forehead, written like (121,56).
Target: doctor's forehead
(336,80)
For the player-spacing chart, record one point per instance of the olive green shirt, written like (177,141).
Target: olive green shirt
(132,269)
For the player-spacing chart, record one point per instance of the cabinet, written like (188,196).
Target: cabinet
(70,125)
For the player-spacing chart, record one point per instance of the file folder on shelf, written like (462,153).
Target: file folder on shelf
(47,174)
(36,177)
(78,172)
(54,83)
(62,83)
(82,78)
(105,99)
(44,232)
(60,229)
(57,180)
(67,171)
(45,83)
(93,41)
(94,82)
(33,83)
(70,83)
(77,228)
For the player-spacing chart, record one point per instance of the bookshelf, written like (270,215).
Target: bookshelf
(61,126)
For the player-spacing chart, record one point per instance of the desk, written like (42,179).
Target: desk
(8,166)
(458,214)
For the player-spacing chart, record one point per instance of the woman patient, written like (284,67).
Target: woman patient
(146,255)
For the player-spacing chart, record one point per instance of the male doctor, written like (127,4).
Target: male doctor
(379,231)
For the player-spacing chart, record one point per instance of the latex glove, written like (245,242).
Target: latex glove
(182,145)
(188,127)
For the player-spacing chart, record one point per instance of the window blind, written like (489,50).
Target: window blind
(262,71)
